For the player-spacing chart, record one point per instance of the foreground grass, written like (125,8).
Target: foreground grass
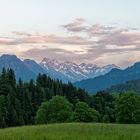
(72,131)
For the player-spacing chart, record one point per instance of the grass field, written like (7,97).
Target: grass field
(72,131)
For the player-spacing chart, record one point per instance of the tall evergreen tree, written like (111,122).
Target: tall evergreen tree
(3,111)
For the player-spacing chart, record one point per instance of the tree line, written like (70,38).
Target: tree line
(19,101)
(50,101)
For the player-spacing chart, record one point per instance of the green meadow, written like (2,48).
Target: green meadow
(72,131)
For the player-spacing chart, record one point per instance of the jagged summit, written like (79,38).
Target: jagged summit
(65,71)
(76,72)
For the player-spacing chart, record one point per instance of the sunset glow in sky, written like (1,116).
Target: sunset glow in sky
(93,31)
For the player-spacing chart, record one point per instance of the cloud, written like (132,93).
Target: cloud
(88,43)
(100,56)
(27,38)
(101,30)
(121,39)
(76,26)
(94,34)
(21,33)
(105,35)
(81,25)
(40,53)
(6,41)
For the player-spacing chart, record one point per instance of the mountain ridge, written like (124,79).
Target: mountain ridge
(76,72)
(114,77)
(12,61)
(133,85)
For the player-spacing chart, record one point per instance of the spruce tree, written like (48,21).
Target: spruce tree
(3,111)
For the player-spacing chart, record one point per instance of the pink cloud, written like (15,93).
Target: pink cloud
(21,33)
(39,39)
(76,26)
(121,39)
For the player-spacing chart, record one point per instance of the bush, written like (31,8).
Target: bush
(41,115)
(106,119)
(128,108)
(83,113)
(58,109)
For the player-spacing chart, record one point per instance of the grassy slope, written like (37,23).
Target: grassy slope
(79,131)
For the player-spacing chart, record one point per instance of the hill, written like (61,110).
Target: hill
(72,131)
(133,85)
(116,76)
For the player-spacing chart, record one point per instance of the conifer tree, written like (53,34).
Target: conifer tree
(3,111)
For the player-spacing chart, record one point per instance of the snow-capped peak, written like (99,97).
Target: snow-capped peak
(75,72)
(47,62)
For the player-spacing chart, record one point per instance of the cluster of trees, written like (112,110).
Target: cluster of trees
(59,109)
(133,85)
(20,101)
(50,101)
(103,107)
(120,108)
(105,104)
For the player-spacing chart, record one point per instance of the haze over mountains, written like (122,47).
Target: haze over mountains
(88,76)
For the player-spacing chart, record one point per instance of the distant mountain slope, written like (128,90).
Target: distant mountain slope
(66,71)
(114,77)
(53,73)
(73,72)
(133,85)
(27,69)
(33,66)
(21,70)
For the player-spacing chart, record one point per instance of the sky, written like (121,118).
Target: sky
(92,31)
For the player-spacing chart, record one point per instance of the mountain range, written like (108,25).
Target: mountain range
(27,69)
(114,77)
(65,71)
(75,72)
(88,76)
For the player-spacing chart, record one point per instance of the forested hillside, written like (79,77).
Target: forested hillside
(20,101)
(50,101)
(133,85)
